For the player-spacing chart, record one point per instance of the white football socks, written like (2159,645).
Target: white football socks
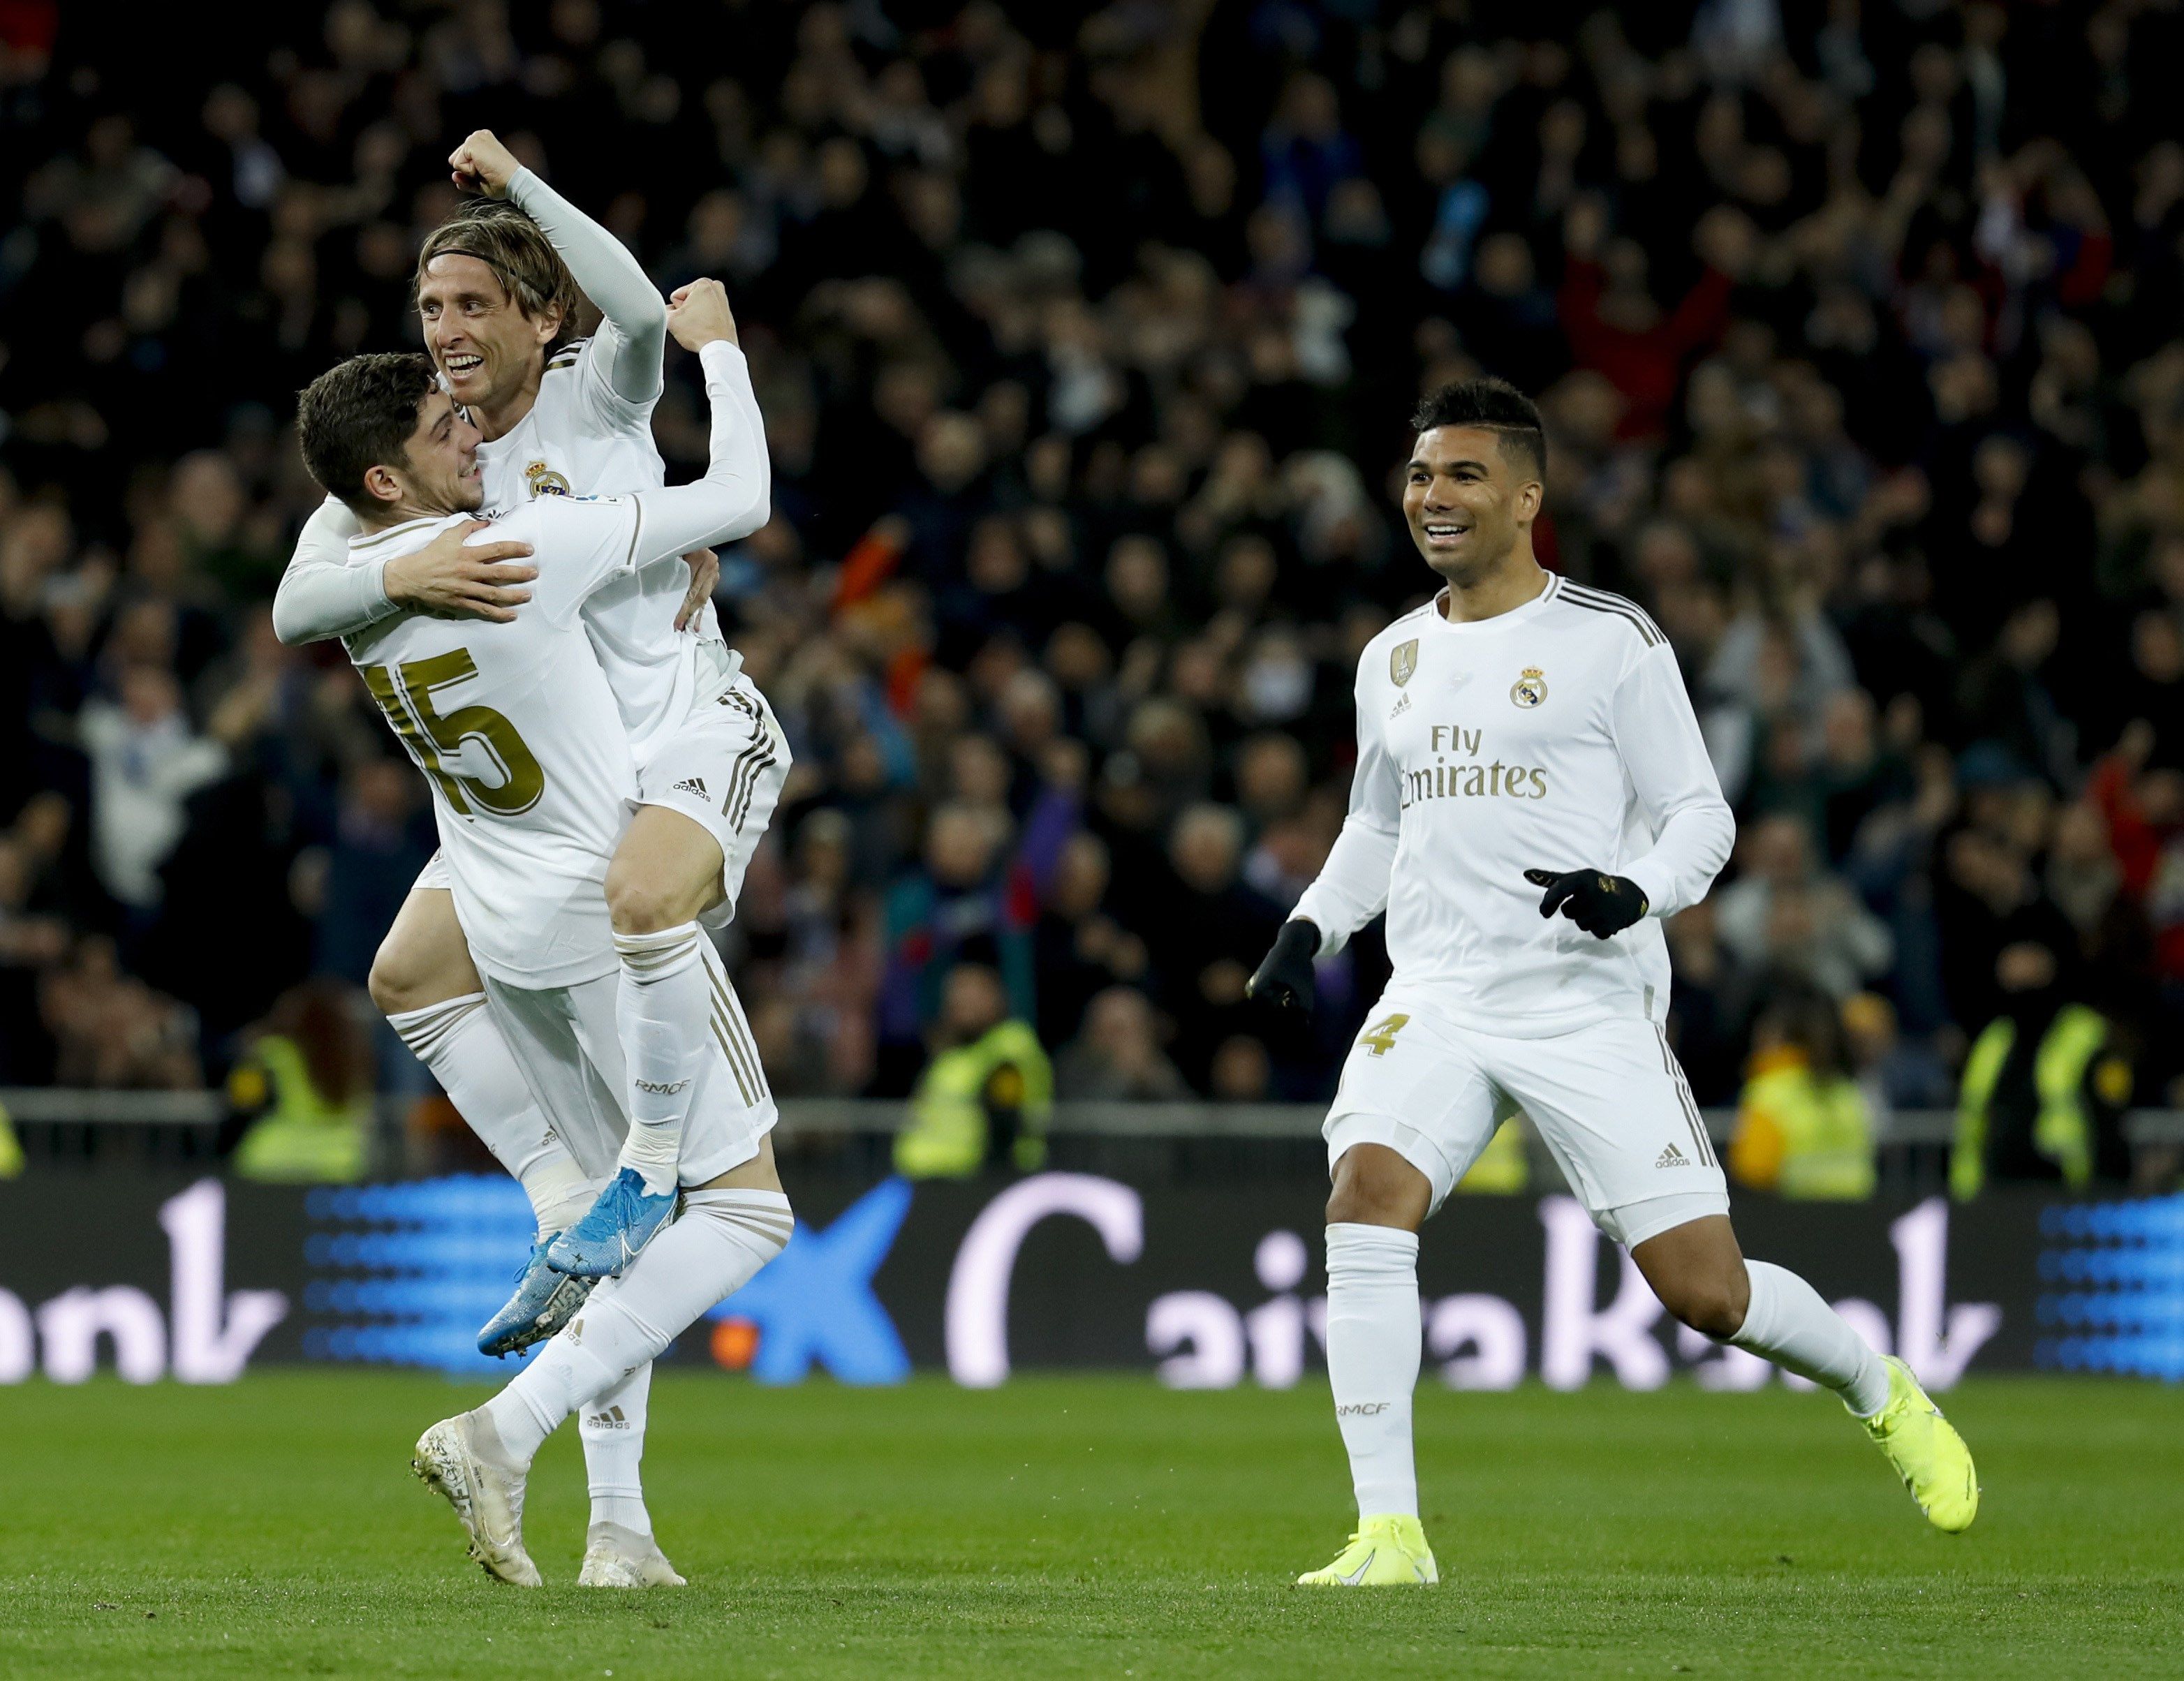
(1788,1324)
(713,1249)
(1374,1338)
(458,1040)
(612,1426)
(665,1012)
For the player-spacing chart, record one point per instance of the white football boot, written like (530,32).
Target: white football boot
(462,1458)
(617,1557)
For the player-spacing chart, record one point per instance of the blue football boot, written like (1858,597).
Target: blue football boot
(544,1301)
(623,1220)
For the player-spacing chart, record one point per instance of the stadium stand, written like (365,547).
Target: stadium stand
(1085,374)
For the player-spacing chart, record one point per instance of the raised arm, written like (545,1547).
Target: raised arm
(734,498)
(630,341)
(591,542)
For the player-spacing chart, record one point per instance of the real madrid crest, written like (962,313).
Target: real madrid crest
(544,480)
(1530,688)
(1402,660)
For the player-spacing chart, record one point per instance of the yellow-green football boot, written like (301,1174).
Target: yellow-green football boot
(1927,1452)
(1388,1551)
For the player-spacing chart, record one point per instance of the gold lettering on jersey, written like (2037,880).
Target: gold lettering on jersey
(1402,661)
(544,480)
(1443,780)
(1497,781)
(1530,688)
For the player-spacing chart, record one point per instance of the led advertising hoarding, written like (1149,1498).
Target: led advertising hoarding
(197,1279)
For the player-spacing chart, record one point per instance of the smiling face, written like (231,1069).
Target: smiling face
(487,348)
(1467,498)
(438,472)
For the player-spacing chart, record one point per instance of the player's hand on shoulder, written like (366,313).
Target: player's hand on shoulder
(1602,904)
(446,580)
(1284,977)
(698,314)
(482,165)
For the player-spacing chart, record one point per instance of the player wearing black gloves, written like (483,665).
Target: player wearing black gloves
(1602,905)
(1284,977)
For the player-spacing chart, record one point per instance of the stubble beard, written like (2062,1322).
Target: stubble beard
(1469,571)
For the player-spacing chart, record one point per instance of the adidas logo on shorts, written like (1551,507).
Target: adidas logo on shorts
(1672,1157)
(692,785)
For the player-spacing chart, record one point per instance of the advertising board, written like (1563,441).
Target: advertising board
(197,1279)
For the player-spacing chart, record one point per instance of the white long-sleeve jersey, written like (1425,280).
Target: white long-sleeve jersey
(589,433)
(1556,736)
(515,725)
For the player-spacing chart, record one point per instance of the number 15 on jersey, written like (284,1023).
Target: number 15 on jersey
(404,693)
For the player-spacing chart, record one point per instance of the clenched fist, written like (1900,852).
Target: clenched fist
(698,314)
(482,165)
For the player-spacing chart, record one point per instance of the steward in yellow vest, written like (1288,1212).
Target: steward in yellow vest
(1803,1127)
(2042,1101)
(304,1093)
(2044,1087)
(1801,1133)
(986,1099)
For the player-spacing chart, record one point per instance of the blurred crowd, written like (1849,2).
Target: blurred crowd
(1085,338)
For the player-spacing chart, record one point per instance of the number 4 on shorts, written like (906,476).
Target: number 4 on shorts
(1380,1036)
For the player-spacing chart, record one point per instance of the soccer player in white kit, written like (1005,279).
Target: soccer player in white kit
(562,416)
(531,772)
(1521,732)
(566,415)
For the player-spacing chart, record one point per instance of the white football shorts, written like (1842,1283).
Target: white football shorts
(1609,1101)
(565,1042)
(723,770)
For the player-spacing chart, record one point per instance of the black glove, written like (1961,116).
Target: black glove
(1602,905)
(1284,977)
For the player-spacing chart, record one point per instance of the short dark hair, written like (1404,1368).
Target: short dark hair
(1493,405)
(358,414)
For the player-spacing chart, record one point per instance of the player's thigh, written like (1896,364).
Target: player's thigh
(424,959)
(731,1108)
(760,1174)
(1412,1084)
(549,1031)
(1612,1104)
(666,872)
(723,771)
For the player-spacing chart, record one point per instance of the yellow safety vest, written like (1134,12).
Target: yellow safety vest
(1800,1136)
(946,1138)
(11,1153)
(1501,1169)
(303,1139)
(2062,1131)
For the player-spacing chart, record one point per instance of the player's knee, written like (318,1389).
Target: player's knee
(639,905)
(397,983)
(1373,1186)
(1713,1306)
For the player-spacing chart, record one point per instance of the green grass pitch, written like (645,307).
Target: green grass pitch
(1092,1527)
